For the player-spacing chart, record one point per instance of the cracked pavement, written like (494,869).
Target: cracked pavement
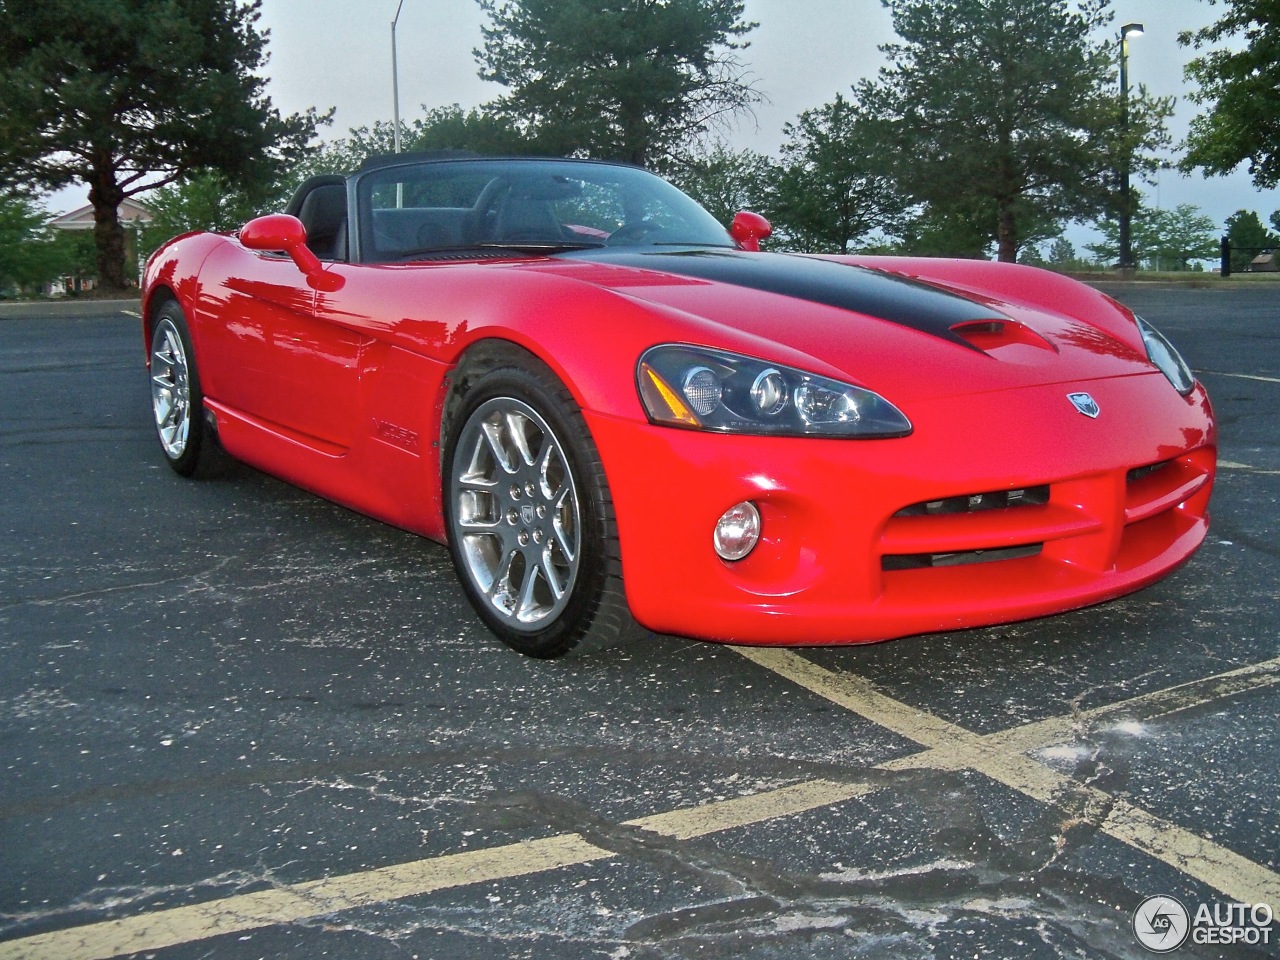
(239,721)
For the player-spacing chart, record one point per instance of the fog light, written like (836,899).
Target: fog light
(738,531)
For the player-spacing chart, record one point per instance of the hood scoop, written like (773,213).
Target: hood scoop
(1005,339)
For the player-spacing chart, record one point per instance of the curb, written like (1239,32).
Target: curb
(37,309)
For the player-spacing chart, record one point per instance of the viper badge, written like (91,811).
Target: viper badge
(1085,404)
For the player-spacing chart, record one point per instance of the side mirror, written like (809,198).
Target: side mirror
(279,231)
(748,229)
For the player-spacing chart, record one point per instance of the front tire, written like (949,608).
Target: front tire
(177,402)
(530,520)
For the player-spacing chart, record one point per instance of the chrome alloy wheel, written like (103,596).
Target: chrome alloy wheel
(170,389)
(516,520)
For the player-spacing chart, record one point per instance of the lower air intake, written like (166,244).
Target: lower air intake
(919,561)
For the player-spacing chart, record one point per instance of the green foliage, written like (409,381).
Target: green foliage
(28,257)
(203,201)
(1007,109)
(1182,236)
(960,227)
(125,95)
(77,255)
(1059,255)
(208,200)
(834,186)
(32,253)
(1161,239)
(478,130)
(441,128)
(1248,238)
(725,182)
(1062,254)
(1030,254)
(1241,86)
(633,80)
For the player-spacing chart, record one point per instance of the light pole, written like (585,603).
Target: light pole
(1126,210)
(395,77)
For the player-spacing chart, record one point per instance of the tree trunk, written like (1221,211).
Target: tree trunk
(108,236)
(635,133)
(1007,234)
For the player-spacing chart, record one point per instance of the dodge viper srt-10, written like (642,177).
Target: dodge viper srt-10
(620,416)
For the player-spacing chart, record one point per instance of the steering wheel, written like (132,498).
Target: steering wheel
(633,232)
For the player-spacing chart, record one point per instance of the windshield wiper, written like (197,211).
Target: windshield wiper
(541,246)
(691,243)
(530,246)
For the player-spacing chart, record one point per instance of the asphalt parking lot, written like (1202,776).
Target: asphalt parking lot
(241,722)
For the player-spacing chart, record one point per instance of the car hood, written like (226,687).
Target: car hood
(864,324)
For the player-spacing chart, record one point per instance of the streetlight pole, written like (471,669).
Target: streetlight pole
(395,77)
(1126,209)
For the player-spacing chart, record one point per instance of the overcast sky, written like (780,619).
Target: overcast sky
(337,53)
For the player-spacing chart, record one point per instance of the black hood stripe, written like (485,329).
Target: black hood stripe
(832,284)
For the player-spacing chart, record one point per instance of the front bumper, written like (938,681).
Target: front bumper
(850,554)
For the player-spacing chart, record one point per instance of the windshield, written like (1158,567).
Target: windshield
(432,208)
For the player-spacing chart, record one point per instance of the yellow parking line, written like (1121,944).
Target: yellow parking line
(289,904)
(294,902)
(856,695)
(757,808)
(999,756)
(1147,706)
(957,748)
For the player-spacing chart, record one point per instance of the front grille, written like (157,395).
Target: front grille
(962,530)
(1160,487)
(1085,523)
(974,502)
(1138,473)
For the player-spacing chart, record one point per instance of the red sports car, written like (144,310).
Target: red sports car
(619,415)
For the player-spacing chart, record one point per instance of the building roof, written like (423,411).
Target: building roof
(82,219)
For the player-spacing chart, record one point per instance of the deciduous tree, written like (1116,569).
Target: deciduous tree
(126,95)
(1248,238)
(28,255)
(1239,82)
(835,185)
(1009,108)
(202,201)
(726,181)
(1162,239)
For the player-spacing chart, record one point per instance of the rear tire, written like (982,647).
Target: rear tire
(529,516)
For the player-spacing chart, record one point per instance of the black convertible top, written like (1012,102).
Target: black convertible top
(378,160)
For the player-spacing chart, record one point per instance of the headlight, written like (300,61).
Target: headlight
(1162,353)
(704,389)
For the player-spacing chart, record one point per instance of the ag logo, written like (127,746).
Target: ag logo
(1161,924)
(1085,404)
